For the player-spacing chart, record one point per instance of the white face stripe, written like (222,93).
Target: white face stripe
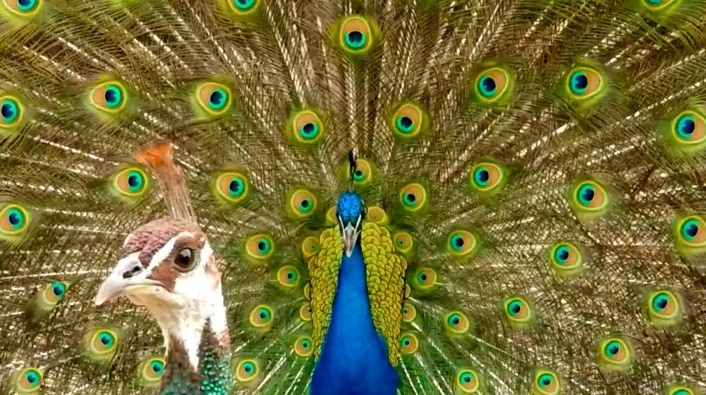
(164,252)
(127,240)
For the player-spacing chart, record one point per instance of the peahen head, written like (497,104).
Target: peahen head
(168,266)
(350,211)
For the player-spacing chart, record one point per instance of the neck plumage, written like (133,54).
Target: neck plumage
(198,356)
(354,357)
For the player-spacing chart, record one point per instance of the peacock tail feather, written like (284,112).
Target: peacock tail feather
(531,172)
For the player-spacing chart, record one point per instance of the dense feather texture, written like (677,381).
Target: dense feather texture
(538,163)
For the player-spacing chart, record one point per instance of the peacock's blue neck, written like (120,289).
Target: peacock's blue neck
(354,357)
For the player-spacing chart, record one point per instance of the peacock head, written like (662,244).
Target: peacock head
(350,211)
(168,266)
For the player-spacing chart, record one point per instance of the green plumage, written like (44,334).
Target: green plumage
(538,164)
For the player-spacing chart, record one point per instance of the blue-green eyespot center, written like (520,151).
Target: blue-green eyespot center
(16,218)
(686,124)
(309,130)
(218,99)
(244,5)
(457,242)
(454,319)
(514,307)
(585,194)
(58,288)
(26,5)
(358,175)
(157,367)
(248,367)
(612,348)
(487,86)
(306,344)
(681,392)
(264,314)
(404,124)
(579,82)
(113,96)
(544,380)
(135,181)
(305,205)
(264,246)
(236,188)
(355,39)
(10,110)
(689,229)
(660,301)
(422,277)
(33,377)
(410,199)
(466,378)
(481,176)
(291,275)
(107,339)
(561,254)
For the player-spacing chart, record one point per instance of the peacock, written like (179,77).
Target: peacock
(352,197)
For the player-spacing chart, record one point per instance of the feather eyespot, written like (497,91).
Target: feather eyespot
(457,323)
(664,307)
(518,311)
(23,7)
(262,317)
(130,182)
(409,312)
(302,204)
(377,215)
(310,247)
(305,127)
(566,258)
(689,128)
(288,276)
(467,381)
(408,121)
(14,221)
(584,82)
(11,111)
(409,344)
(186,259)
(494,85)
(247,370)
(101,344)
(589,199)
(487,178)
(259,247)
(363,174)
(232,187)
(461,243)
(403,241)
(305,312)
(54,293)
(615,353)
(413,197)
(424,278)
(28,380)
(692,231)
(303,346)
(357,35)
(109,96)
(679,390)
(151,370)
(243,6)
(214,98)
(658,5)
(546,382)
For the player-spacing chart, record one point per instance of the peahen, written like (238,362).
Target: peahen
(353,197)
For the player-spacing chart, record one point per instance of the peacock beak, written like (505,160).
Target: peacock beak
(350,236)
(128,277)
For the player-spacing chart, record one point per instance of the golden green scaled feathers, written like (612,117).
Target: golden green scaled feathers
(533,173)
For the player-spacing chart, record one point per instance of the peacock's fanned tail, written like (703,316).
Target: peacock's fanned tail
(535,168)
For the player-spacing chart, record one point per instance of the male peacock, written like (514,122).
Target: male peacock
(429,197)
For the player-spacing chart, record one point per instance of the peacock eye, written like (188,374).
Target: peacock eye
(186,259)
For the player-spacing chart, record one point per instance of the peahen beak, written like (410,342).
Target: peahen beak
(350,236)
(128,277)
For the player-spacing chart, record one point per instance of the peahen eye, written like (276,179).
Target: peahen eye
(185,259)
